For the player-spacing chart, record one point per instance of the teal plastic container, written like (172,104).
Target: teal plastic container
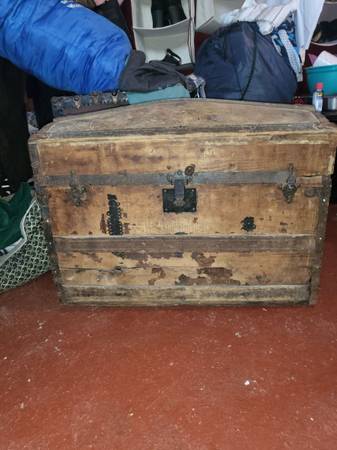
(326,75)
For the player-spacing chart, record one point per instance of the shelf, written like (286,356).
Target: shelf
(154,42)
(154,45)
(171,30)
(142,17)
(209,13)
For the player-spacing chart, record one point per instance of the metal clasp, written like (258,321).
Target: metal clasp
(290,187)
(180,199)
(179,181)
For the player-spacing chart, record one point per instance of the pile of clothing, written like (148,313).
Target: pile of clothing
(255,56)
(263,40)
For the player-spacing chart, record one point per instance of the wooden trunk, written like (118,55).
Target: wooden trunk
(200,202)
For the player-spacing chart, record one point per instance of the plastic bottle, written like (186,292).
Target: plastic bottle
(317,98)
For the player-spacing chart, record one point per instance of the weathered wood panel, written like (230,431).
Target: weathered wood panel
(220,211)
(189,116)
(185,270)
(185,296)
(212,153)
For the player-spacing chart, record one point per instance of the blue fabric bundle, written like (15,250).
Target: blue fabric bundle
(63,44)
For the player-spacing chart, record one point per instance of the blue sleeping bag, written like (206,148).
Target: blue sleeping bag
(63,44)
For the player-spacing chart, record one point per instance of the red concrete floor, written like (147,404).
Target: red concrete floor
(184,379)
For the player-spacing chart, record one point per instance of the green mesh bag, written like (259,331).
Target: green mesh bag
(27,258)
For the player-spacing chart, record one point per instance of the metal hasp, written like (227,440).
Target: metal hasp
(180,199)
(78,193)
(289,188)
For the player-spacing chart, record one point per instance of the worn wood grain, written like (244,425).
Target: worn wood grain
(220,210)
(185,296)
(309,156)
(189,115)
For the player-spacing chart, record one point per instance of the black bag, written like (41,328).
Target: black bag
(239,63)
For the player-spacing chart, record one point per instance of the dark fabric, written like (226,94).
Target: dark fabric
(166,12)
(239,63)
(87,3)
(112,11)
(41,95)
(325,32)
(11,215)
(14,156)
(139,76)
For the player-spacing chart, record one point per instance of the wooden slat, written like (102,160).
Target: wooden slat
(271,261)
(220,210)
(179,296)
(310,155)
(173,244)
(189,270)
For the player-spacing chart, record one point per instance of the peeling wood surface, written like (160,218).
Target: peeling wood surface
(184,270)
(266,262)
(220,210)
(185,296)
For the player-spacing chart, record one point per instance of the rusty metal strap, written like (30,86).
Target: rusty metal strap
(163,179)
(304,244)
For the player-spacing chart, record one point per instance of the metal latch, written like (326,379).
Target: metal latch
(78,193)
(180,199)
(290,187)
